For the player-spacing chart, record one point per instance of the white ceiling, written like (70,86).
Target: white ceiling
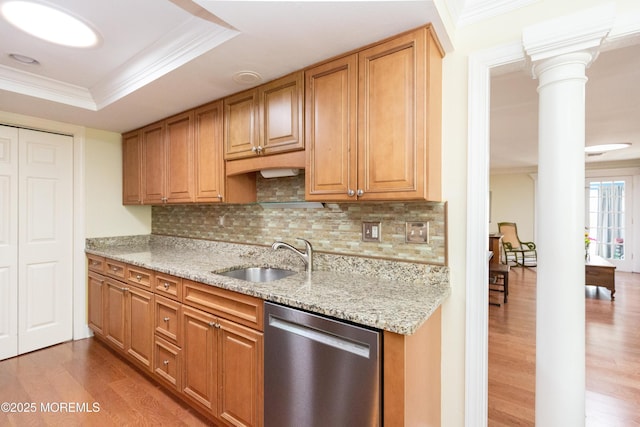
(160,57)
(612,111)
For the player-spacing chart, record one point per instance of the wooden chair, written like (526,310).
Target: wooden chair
(499,280)
(521,253)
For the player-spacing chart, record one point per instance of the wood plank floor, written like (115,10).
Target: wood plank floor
(612,353)
(85,372)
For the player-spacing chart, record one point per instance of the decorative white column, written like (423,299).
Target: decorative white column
(560,52)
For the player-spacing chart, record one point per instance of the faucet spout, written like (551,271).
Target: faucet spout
(307,255)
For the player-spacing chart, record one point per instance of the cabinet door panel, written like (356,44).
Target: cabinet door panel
(209,161)
(168,319)
(139,327)
(168,363)
(179,167)
(96,293)
(391,135)
(240,129)
(281,105)
(153,160)
(199,357)
(115,306)
(241,362)
(331,109)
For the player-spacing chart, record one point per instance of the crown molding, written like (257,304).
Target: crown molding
(185,43)
(467,12)
(582,31)
(25,83)
(179,46)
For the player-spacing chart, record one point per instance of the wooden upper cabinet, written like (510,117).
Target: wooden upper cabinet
(265,120)
(132,168)
(397,154)
(281,105)
(331,137)
(153,163)
(180,159)
(240,125)
(209,161)
(168,160)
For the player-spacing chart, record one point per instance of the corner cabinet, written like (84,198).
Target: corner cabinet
(373,122)
(265,120)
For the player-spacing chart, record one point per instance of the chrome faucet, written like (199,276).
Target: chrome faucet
(307,255)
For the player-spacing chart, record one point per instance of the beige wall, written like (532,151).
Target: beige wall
(105,214)
(513,200)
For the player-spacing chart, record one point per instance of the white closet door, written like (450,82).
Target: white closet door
(45,233)
(8,242)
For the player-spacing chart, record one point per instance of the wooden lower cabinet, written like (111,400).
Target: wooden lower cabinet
(199,357)
(115,309)
(215,364)
(128,320)
(168,364)
(139,326)
(241,373)
(96,291)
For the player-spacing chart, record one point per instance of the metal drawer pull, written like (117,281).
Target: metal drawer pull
(166,285)
(166,319)
(214,324)
(166,362)
(138,277)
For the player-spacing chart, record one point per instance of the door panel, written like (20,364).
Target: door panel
(8,242)
(45,239)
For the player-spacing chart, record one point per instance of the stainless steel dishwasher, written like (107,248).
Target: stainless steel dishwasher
(319,371)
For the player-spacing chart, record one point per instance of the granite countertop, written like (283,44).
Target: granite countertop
(393,296)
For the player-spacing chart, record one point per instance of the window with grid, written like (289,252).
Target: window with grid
(606,218)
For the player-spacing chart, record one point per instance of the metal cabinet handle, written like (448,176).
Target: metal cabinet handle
(214,324)
(124,289)
(359,192)
(166,319)
(351,193)
(114,268)
(138,277)
(254,149)
(166,285)
(165,362)
(220,196)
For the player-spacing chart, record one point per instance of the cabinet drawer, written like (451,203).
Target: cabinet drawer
(115,268)
(244,309)
(139,276)
(168,363)
(168,286)
(168,319)
(96,263)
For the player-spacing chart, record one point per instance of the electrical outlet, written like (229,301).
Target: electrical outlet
(417,232)
(371,232)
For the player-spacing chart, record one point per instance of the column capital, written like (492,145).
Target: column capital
(582,31)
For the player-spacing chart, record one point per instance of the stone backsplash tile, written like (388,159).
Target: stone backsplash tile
(336,228)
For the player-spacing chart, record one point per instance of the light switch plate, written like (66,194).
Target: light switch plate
(371,231)
(417,232)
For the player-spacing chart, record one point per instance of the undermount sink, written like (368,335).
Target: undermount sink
(258,274)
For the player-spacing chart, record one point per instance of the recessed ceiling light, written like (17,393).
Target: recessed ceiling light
(603,148)
(23,59)
(246,77)
(49,24)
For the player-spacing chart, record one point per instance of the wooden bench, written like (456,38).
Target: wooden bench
(600,272)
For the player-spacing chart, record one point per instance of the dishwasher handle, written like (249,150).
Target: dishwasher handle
(321,336)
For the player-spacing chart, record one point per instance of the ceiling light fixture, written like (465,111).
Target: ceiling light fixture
(603,148)
(23,59)
(247,77)
(49,24)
